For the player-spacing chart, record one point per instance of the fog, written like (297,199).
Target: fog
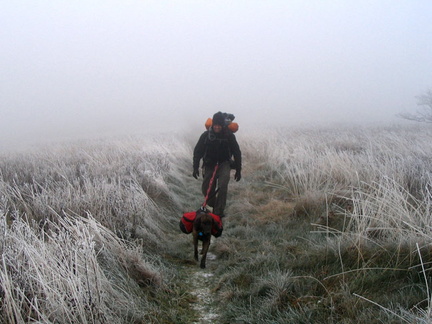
(95,68)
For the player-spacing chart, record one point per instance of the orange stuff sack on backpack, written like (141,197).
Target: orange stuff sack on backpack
(233,127)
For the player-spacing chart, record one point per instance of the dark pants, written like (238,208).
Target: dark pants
(218,201)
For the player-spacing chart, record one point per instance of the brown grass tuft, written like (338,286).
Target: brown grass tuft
(274,211)
(311,204)
(139,271)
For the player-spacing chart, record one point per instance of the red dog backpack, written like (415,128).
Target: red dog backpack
(186,223)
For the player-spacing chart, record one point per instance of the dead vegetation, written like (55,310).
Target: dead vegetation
(83,231)
(332,226)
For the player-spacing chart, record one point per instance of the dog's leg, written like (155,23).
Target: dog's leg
(205,247)
(195,243)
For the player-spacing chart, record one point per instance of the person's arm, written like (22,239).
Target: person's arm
(235,150)
(199,151)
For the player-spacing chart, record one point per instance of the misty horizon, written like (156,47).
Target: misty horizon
(71,69)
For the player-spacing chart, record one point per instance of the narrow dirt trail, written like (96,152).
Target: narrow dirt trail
(200,282)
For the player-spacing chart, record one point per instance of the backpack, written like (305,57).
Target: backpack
(233,127)
(186,223)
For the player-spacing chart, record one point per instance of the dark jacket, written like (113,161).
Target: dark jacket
(217,148)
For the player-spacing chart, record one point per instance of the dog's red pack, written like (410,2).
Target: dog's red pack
(186,223)
(217,227)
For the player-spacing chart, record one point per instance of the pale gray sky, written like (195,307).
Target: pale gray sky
(77,67)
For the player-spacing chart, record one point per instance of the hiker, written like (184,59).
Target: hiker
(217,146)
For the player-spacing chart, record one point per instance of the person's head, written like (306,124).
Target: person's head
(218,122)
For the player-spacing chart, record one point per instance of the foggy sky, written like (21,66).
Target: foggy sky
(70,68)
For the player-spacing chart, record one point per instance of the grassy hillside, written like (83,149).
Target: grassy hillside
(330,226)
(326,226)
(83,232)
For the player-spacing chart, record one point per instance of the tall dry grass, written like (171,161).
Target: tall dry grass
(83,230)
(72,271)
(343,216)
(325,223)
(380,177)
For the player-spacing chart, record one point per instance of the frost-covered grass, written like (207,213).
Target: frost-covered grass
(326,226)
(72,271)
(83,232)
(120,183)
(379,179)
(330,225)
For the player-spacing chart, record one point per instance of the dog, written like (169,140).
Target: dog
(202,230)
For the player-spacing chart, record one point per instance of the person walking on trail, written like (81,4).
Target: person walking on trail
(217,147)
